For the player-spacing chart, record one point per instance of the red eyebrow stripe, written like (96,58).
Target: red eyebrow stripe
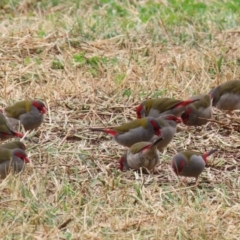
(139,108)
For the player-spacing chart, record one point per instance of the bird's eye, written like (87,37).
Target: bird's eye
(41,108)
(155,126)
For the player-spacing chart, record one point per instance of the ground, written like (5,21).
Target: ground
(92,62)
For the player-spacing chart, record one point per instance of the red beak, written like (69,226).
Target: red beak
(43,110)
(26,160)
(18,134)
(179,120)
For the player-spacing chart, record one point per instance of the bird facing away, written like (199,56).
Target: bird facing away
(12,160)
(162,106)
(140,155)
(190,163)
(168,124)
(194,112)
(6,131)
(13,145)
(28,113)
(139,130)
(227,96)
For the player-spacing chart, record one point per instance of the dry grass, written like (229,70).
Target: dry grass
(92,71)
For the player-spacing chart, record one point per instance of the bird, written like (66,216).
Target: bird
(138,130)
(12,160)
(190,163)
(168,124)
(161,106)
(13,145)
(29,113)
(6,131)
(140,155)
(196,111)
(226,96)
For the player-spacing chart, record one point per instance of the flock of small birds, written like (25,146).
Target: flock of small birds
(152,131)
(29,114)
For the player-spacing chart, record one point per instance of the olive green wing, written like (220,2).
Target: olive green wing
(227,87)
(230,87)
(4,127)
(17,109)
(5,154)
(164,104)
(204,101)
(13,145)
(136,148)
(131,125)
(188,155)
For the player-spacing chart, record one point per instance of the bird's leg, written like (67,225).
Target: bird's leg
(196,183)
(152,171)
(183,182)
(155,170)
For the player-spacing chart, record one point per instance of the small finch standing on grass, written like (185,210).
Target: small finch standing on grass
(5,130)
(12,160)
(27,113)
(161,106)
(227,96)
(141,155)
(195,112)
(168,124)
(190,164)
(133,132)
